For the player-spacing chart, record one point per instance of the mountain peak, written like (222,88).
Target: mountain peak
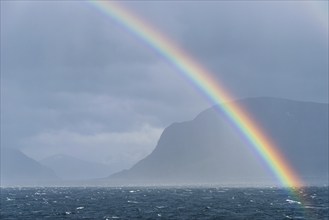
(209,149)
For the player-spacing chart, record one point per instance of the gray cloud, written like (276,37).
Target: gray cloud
(70,73)
(270,48)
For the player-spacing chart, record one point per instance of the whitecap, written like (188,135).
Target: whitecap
(290,201)
(129,201)
(81,207)
(314,207)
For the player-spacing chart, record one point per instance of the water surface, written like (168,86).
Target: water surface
(163,203)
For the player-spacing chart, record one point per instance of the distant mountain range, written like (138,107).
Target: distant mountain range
(17,169)
(209,149)
(71,168)
(206,150)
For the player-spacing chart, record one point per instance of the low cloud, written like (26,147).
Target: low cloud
(113,148)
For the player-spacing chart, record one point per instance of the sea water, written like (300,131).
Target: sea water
(163,203)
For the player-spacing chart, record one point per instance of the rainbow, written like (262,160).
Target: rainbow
(202,79)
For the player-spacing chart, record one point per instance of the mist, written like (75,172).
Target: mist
(83,99)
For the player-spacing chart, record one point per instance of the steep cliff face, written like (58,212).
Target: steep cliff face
(210,149)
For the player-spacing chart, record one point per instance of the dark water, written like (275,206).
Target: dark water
(163,203)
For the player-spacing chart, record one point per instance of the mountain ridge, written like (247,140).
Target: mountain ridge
(17,169)
(296,126)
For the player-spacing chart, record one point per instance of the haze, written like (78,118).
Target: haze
(76,85)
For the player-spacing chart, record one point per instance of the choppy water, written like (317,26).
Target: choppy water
(163,203)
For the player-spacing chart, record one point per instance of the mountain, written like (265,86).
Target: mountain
(19,169)
(209,149)
(70,168)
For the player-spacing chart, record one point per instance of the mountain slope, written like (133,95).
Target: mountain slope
(19,169)
(209,149)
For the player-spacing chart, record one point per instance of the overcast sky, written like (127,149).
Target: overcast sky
(75,82)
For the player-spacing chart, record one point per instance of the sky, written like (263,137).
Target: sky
(75,82)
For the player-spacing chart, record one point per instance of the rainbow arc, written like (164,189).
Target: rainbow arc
(213,90)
